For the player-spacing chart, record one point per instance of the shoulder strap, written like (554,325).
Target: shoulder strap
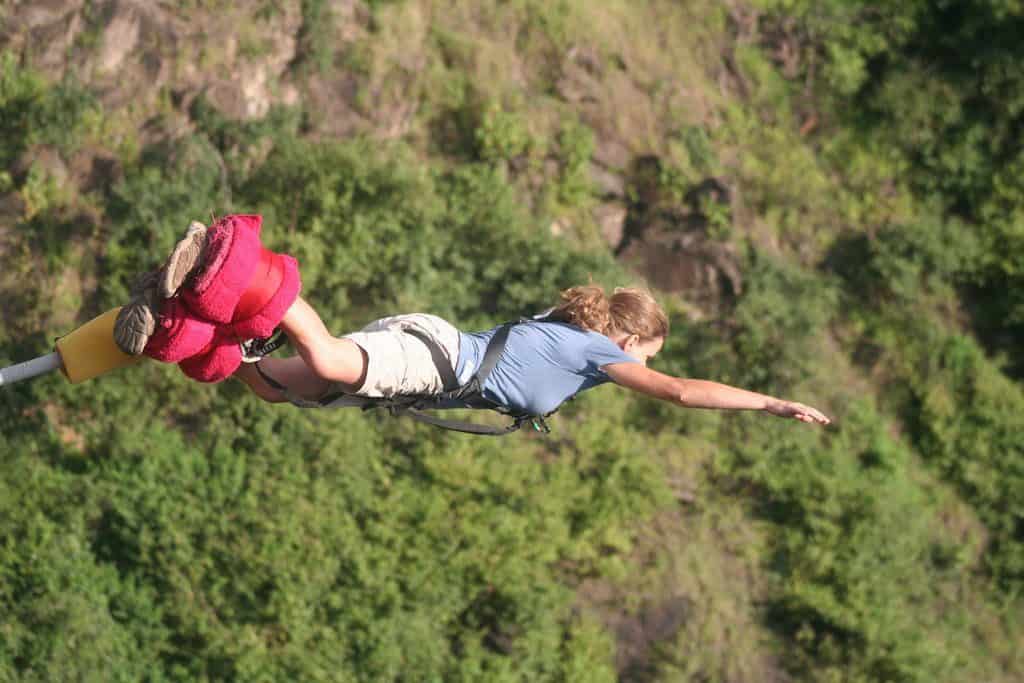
(471,393)
(495,347)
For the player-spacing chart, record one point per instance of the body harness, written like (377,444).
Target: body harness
(469,394)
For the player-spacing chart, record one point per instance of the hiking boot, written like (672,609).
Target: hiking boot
(136,321)
(185,259)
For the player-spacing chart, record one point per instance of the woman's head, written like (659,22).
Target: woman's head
(630,316)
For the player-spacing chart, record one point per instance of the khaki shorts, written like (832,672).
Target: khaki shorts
(400,363)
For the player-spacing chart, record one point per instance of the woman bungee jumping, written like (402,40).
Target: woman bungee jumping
(587,340)
(221,295)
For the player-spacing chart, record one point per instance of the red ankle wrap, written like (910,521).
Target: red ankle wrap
(263,285)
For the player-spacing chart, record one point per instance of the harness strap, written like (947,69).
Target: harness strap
(471,394)
(444,367)
(255,349)
(293,398)
(459,425)
(492,353)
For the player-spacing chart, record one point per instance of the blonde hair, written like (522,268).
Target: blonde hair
(628,310)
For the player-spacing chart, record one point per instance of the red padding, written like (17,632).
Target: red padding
(232,253)
(283,285)
(263,285)
(179,334)
(217,363)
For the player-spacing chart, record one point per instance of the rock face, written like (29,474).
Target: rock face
(673,243)
(675,252)
(130,51)
(241,60)
(611,220)
(120,37)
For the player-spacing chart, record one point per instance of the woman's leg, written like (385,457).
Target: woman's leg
(290,372)
(322,360)
(327,356)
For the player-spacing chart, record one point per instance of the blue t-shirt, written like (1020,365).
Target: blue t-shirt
(543,364)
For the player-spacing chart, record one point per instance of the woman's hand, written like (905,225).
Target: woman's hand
(797,411)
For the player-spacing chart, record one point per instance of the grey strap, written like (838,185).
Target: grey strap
(292,398)
(494,350)
(459,425)
(440,358)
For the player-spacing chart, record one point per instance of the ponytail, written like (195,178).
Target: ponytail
(586,306)
(628,310)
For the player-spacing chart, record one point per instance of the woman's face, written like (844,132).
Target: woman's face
(641,349)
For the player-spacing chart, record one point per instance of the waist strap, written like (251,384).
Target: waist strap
(444,366)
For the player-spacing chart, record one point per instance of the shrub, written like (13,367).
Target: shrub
(852,555)
(377,232)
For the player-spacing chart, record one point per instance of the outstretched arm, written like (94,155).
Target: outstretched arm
(699,393)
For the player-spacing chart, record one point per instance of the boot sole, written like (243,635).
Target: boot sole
(184,260)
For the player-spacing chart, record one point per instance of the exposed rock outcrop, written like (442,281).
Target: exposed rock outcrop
(672,242)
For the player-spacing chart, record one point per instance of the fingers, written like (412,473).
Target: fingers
(799,411)
(804,413)
(810,415)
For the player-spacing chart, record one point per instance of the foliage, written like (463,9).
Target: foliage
(501,135)
(959,407)
(933,82)
(153,530)
(576,145)
(768,341)
(854,553)
(966,418)
(412,233)
(301,546)
(314,51)
(33,113)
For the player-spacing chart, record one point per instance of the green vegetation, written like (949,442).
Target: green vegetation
(866,193)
